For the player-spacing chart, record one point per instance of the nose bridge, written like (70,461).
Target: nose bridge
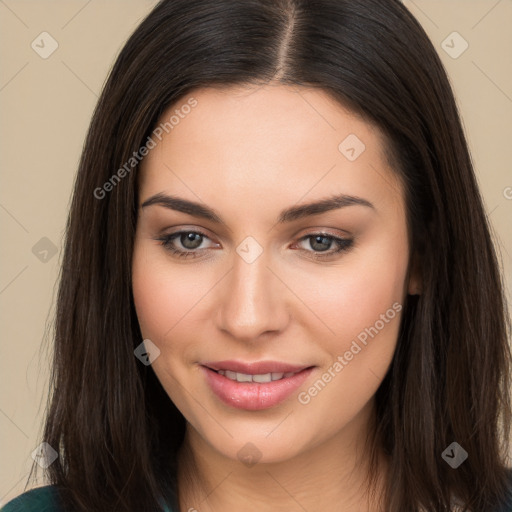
(251,302)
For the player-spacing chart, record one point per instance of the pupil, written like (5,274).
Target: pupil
(190,240)
(322,240)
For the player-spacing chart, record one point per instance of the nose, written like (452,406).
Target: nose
(253,300)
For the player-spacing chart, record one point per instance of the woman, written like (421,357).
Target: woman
(278,291)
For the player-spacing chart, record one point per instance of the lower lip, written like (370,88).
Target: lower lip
(254,396)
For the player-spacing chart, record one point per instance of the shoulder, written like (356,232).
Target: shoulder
(41,499)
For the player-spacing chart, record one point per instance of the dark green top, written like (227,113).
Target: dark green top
(45,499)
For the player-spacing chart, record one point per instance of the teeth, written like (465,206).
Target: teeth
(244,377)
(267,377)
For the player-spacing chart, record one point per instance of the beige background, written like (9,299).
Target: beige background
(46,105)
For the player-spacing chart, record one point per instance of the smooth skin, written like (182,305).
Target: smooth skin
(248,153)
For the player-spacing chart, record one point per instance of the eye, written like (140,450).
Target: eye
(187,244)
(321,244)
(191,241)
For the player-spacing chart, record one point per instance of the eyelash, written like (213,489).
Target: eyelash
(344,244)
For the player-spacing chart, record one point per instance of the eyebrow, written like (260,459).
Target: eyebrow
(288,215)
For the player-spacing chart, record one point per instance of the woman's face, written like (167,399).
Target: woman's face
(313,293)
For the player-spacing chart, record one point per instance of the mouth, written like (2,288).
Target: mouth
(254,386)
(261,378)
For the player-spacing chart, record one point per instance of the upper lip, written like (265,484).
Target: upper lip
(255,368)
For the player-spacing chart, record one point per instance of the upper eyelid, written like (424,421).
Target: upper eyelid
(310,230)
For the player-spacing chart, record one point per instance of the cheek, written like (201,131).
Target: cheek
(152,303)
(162,297)
(165,301)
(362,304)
(352,296)
(172,306)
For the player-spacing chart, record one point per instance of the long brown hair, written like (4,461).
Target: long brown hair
(116,430)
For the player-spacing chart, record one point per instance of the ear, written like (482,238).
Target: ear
(414,285)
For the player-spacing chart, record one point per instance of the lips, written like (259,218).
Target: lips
(254,386)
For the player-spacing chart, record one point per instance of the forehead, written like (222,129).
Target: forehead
(271,143)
